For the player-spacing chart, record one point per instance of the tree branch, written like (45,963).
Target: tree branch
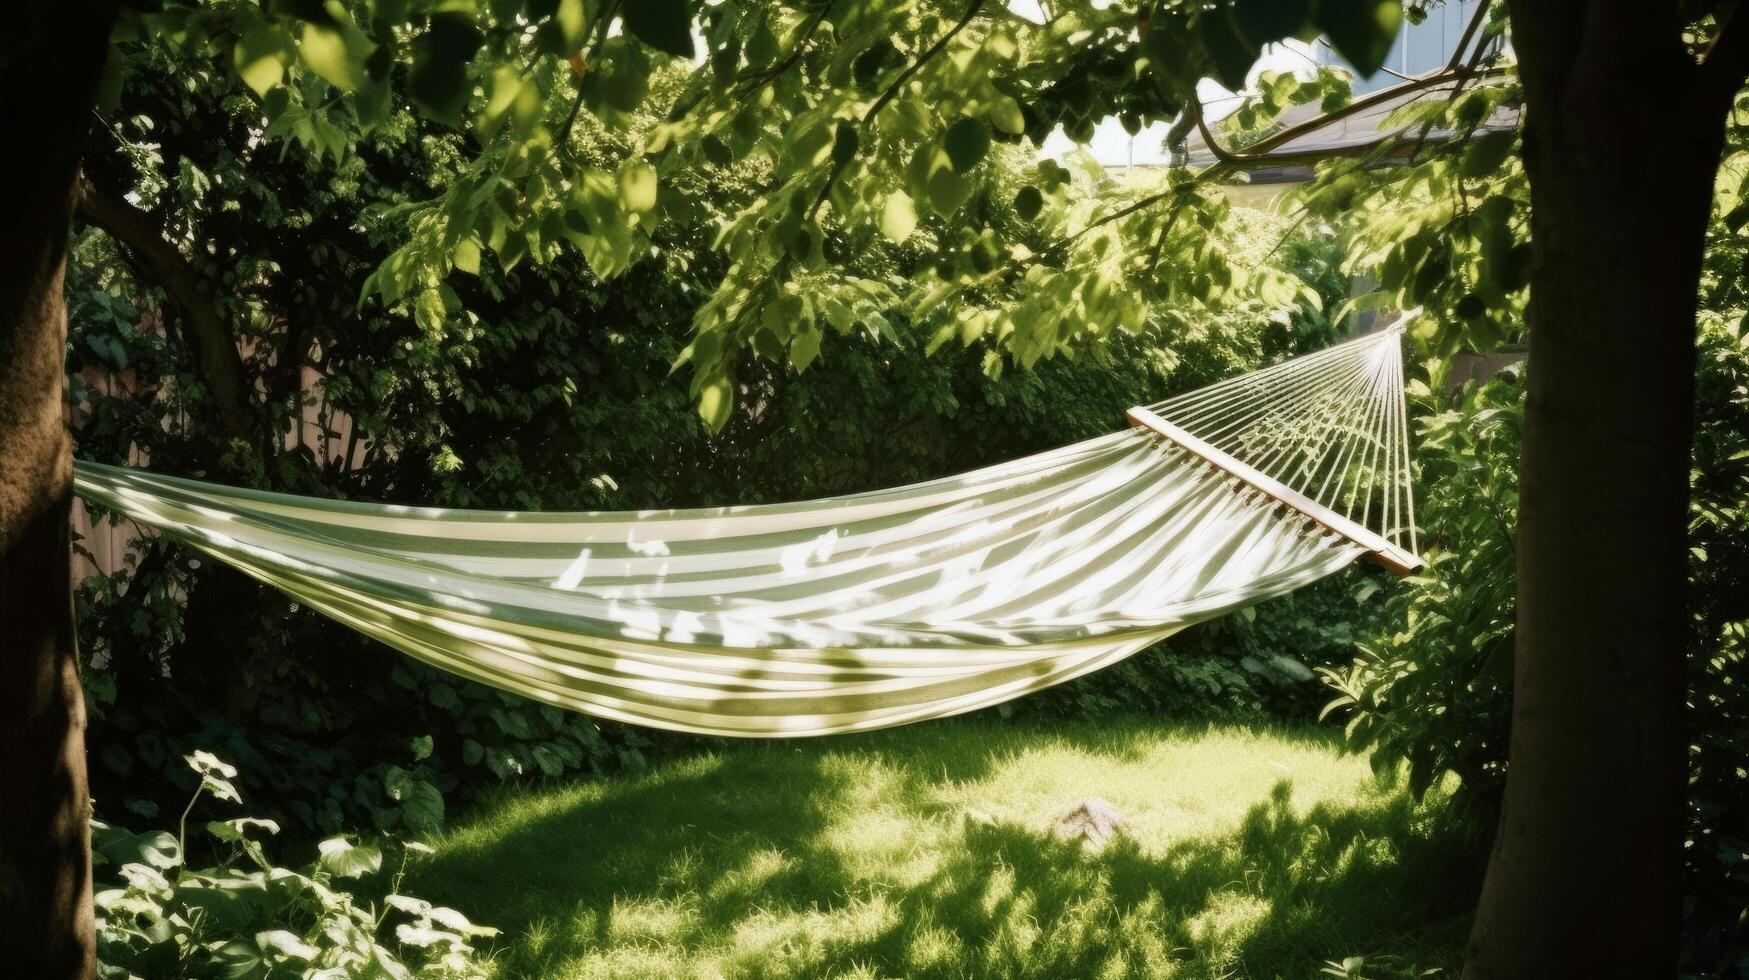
(1263,150)
(204,328)
(1228,161)
(1470,29)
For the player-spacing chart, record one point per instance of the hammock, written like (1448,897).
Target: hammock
(864,611)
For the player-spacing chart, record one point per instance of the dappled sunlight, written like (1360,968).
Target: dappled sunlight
(931,851)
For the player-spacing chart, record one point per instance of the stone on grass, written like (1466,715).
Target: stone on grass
(1093,821)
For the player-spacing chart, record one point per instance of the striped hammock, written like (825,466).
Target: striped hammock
(857,612)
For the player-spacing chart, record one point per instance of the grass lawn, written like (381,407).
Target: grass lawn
(929,851)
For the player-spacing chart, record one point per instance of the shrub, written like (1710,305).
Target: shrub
(1431,686)
(245,917)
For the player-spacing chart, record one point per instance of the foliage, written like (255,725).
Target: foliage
(865,117)
(1449,232)
(1432,687)
(246,917)
(542,387)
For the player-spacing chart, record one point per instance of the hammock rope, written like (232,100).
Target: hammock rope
(863,611)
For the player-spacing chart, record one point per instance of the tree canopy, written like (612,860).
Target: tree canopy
(870,123)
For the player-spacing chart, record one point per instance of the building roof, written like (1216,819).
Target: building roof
(1350,134)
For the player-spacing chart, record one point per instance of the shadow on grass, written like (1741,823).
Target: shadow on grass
(838,857)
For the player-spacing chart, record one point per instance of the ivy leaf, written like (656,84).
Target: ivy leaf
(898,217)
(1361,30)
(665,25)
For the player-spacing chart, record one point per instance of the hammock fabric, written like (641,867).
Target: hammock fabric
(856,612)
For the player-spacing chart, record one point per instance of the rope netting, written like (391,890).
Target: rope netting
(1330,425)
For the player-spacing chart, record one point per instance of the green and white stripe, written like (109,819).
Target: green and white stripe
(834,615)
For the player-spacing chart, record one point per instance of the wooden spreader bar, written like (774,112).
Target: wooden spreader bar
(1379,550)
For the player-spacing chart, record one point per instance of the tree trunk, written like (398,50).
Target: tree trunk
(1621,147)
(49,64)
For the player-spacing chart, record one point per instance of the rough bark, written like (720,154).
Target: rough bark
(1585,876)
(50,60)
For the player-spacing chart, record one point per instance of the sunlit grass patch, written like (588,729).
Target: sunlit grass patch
(930,851)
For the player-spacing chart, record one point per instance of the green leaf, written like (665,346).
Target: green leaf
(845,143)
(337,53)
(238,829)
(1264,21)
(260,57)
(898,217)
(344,859)
(637,186)
(1486,153)
(947,190)
(283,942)
(966,142)
(1361,30)
(1028,201)
(155,848)
(207,764)
(438,81)
(1005,115)
(109,84)
(510,97)
(665,25)
(571,21)
(809,146)
(422,806)
(715,403)
(466,257)
(1230,53)
(804,349)
(869,64)
(237,959)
